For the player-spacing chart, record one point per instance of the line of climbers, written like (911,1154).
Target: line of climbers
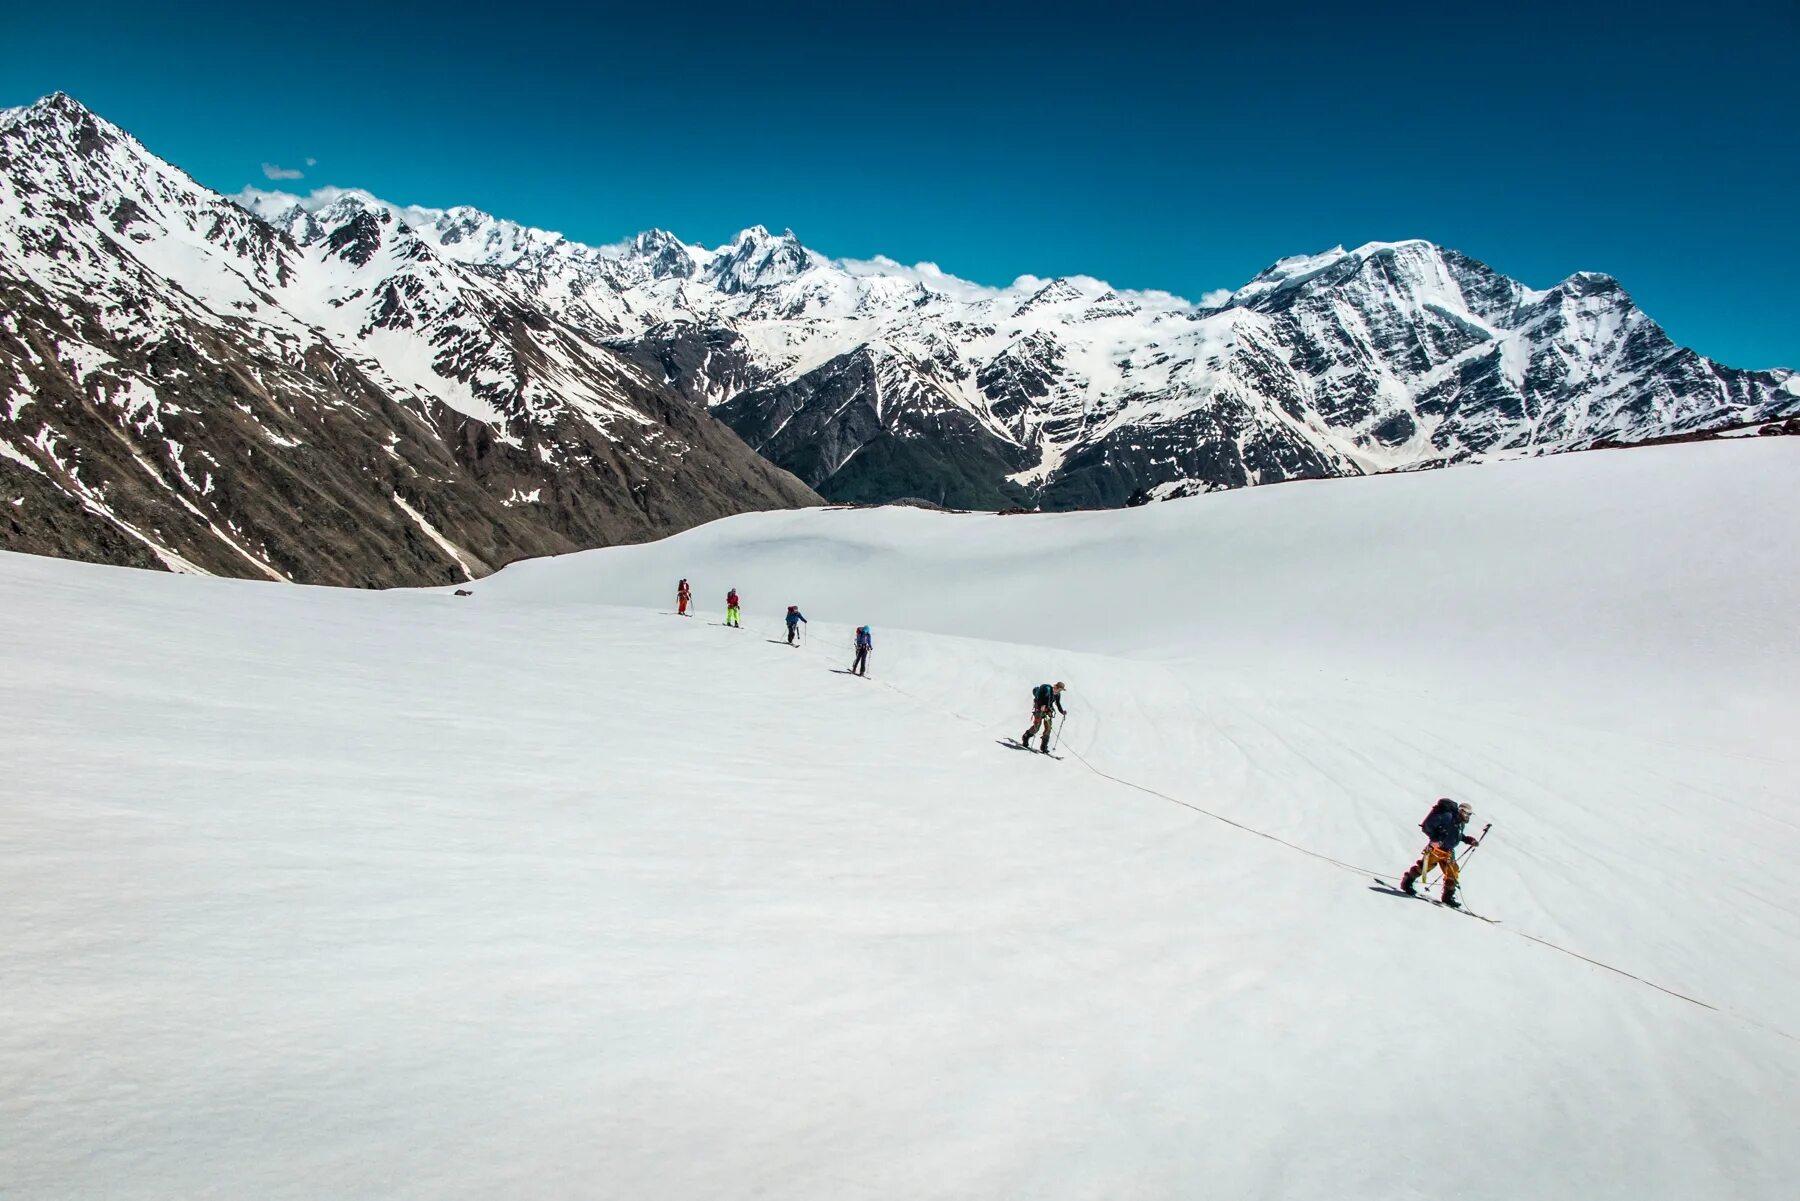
(1443,826)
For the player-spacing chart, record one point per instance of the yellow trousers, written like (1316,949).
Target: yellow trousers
(1436,856)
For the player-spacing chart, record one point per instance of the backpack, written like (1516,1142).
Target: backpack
(1043,694)
(1445,807)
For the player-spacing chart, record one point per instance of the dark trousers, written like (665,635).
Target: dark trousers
(862,660)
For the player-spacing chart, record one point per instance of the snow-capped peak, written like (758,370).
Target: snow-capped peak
(76,127)
(461,233)
(757,259)
(1413,256)
(56,104)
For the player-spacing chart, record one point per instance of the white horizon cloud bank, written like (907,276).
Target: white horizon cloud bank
(274,172)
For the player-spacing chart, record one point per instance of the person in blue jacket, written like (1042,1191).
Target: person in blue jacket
(1444,826)
(865,642)
(794,618)
(1044,699)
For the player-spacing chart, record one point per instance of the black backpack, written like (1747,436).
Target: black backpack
(1043,694)
(1444,806)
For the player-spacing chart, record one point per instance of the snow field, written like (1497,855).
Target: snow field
(547,892)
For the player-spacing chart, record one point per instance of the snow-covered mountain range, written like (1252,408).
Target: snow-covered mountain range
(183,384)
(871,380)
(474,390)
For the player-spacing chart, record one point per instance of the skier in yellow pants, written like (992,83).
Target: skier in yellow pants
(1444,826)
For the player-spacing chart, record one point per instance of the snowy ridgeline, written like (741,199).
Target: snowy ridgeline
(173,362)
(547,892)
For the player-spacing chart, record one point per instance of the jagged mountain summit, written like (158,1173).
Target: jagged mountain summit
(335,388)
(871,380)
(334,398)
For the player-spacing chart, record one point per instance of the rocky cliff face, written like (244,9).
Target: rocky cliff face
(327,398)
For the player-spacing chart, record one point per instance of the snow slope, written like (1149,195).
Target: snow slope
(549,893)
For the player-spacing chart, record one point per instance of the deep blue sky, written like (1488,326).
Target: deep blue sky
(1154,145)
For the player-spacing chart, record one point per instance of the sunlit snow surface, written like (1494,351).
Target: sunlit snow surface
(546,892)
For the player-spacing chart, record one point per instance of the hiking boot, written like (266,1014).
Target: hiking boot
(1406,881)
(1450,897)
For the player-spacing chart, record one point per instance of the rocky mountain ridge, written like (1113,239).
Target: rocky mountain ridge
(338,389)
(871,380)
(330,400)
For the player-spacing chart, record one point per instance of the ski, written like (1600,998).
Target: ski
(1015,745)
(1396,890)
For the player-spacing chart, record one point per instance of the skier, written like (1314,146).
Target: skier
(794,618)
(1044,699)
(731,608)
(683,594)
(865,642)
(1444,826)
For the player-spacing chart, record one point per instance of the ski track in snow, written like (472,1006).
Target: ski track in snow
(534,893)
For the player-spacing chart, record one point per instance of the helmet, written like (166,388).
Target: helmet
(1465,811)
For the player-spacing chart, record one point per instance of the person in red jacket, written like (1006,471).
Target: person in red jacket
(731,608)
(683,594)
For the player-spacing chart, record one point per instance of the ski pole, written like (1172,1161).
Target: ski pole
(1482,837)
(1057,740)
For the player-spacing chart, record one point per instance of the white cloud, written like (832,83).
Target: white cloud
(312,162)
(274,172)
(929,274)
(1215,298)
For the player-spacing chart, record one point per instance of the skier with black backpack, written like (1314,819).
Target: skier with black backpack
(1044,699)
(1444,827)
